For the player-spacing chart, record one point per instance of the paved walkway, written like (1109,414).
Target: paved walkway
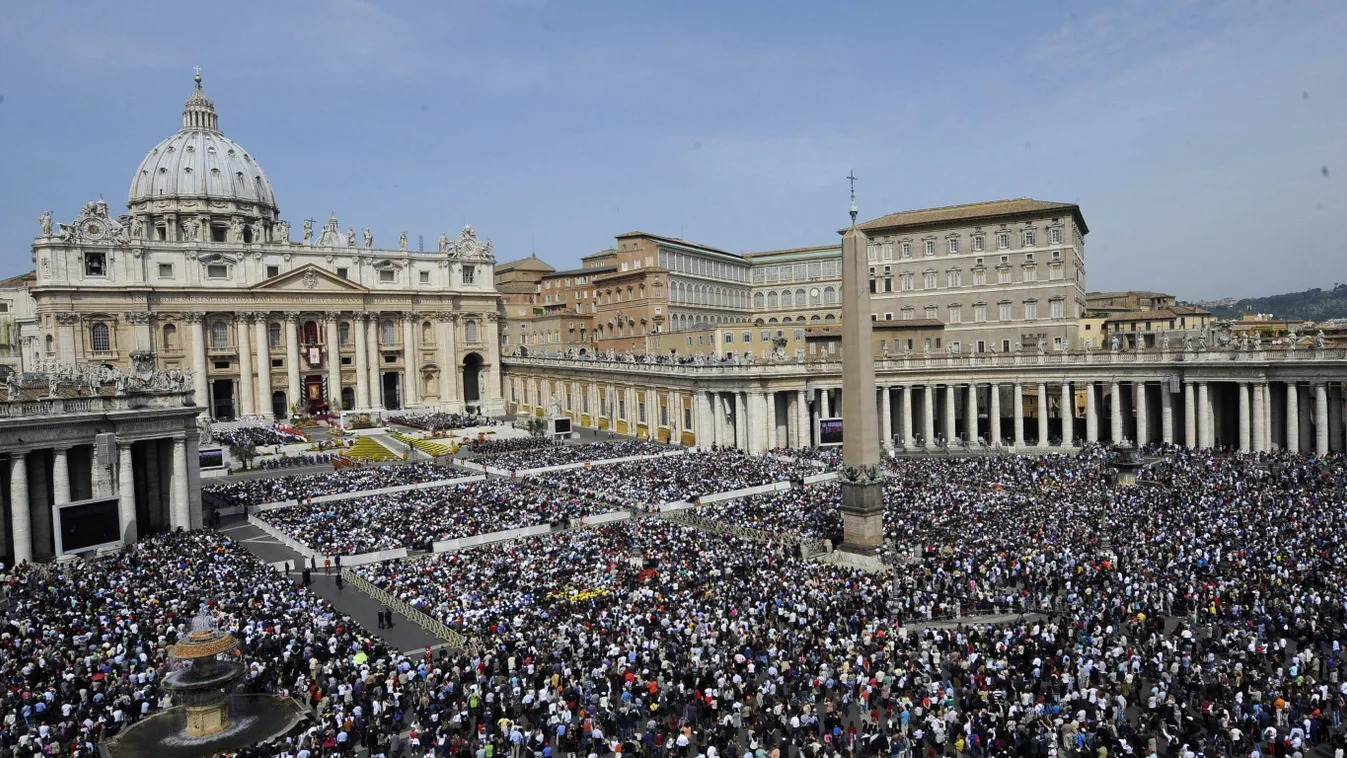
(405,635)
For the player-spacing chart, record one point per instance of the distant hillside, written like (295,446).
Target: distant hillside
(1312,305)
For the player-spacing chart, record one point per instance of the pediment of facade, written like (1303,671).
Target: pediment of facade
(308,279)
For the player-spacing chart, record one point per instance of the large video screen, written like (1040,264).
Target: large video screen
(211,458)
(87,524)
(561,426)
(829,432)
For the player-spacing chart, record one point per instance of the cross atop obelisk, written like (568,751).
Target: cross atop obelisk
(851,176)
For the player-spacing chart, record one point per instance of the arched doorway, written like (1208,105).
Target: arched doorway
(472,368)
(278,408)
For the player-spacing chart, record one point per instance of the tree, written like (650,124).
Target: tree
(243,452)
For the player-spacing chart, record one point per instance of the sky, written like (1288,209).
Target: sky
(1203,140)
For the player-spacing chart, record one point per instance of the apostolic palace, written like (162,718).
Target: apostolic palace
(204,303)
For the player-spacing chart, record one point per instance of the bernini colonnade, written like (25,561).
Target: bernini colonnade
(1250,400)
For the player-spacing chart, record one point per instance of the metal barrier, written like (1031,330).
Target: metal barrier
(421,618)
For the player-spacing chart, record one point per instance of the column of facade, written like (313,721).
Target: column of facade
(1166,415)
(1203,416)
(1143,413)
(292,391)
(1244,442)
(1258,439)
(1189,416)
(792,419)
(951,427)
(200,382)
(1115,412)
(1068,415)
(410,391)
(60,488)
(1267,415)
(180,512)
(20,520)
(126,492)
(359,326)
(242,328)
(886,418)
(994,413)
(332,359)
(1320,419)
(263,346)
(971,414)
(675,401)
(1292,417)
(826,398)
(376,388)
(1091,414)
(908,441)
(39,504)
(1043,406)
(449,366)
(1017,414)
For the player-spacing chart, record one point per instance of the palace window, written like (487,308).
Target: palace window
(217,271)
(273,272)
(470,331)
(980,313)
(387,332)
(1005,311)
(1058,309)
(953,245)
(1002,240)
(274,334)
(100,337)
(905,250)
(977,243)
(955,314)
(1027,237)
(930,247)
(469,274)
(1030,310)
(165,270)
(1055,235)
(387,275)
(928,280)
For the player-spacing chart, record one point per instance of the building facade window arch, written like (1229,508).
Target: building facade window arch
(100,337)
(470,331)
(219,334)
(169,337)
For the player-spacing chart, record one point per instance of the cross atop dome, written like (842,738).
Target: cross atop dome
(199,113)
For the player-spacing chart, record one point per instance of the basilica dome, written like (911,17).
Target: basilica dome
(199,170)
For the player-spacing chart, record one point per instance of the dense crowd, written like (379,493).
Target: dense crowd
(257,436)
(85,646)
(416,518)
(438,421)
(676,478)
(300,486)
(560,455)
(499,445)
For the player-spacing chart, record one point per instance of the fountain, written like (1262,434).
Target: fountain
(210,718)
(1126,461)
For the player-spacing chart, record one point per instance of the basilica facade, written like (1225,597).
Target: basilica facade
(201,275)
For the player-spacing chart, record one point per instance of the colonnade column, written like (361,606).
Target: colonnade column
(1203,416)
(1017,417)
(1166,415)
(803,429)
(1244,416)
(332,358)
(971,412)
(60,476)
(886,418)
(740,417)
(675,401)
(928,420)
(1292,417)
(826,398)
(410,392)
(1115,413)
(1267,415)
(908,442)
(126,492)
(1068,413)
(200,383)
(242,327)
(180,509)
(291,361)
(359,325)
(769,400)
(1091,414)
(951,429)
(20,520)
(1143,414)
(1189,416)
(994,413)
(263,340)
(1042,414)
(1259,437)
(1320,419)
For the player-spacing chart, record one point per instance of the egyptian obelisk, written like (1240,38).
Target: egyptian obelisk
(862,493)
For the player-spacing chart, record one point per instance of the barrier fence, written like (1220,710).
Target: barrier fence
(419,617)
(369,493)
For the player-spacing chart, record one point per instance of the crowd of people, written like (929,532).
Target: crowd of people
(676,478)
(417,518)
(438,421)
(499,445)
(298,487)
(84,649)
(256,436)
(560,455)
